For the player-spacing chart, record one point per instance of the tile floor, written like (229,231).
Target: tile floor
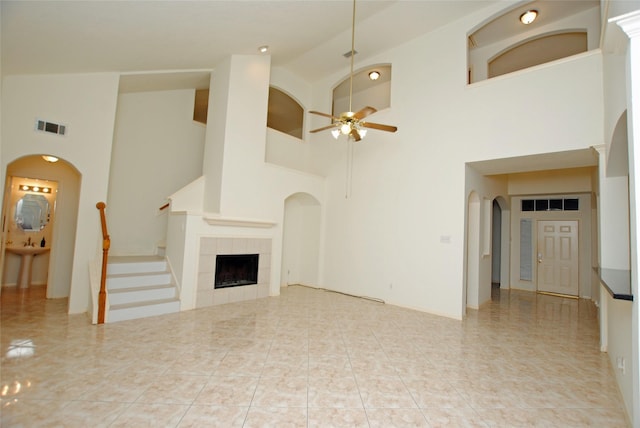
(308,358)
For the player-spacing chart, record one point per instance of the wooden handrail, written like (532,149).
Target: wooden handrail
(165,206)
(106,243)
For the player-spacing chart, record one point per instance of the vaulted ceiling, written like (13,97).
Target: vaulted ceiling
(308,37)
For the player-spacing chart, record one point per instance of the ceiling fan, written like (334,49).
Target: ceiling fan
(351,123)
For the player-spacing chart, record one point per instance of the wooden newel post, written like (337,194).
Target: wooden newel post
(106,243)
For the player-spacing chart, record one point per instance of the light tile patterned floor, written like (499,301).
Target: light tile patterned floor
(308,358)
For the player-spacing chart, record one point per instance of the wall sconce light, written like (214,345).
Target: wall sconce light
(37,189)
(529,16)
(374,75)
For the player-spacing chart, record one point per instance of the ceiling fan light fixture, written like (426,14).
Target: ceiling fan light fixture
(351,123)
(529,16)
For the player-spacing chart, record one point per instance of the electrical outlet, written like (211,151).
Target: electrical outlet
(621,364)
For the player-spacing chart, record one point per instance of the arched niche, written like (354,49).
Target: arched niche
(284,113)
(301,240)
(366,92)
(557,32)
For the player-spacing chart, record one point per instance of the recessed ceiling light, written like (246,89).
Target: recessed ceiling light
(529,16)
(374,75)
(263,49)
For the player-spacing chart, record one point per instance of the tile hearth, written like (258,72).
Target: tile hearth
(308,358)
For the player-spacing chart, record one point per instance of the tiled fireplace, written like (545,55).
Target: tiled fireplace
(210,249)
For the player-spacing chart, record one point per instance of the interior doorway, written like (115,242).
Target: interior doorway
(496,244)
(300,241)
(61,233)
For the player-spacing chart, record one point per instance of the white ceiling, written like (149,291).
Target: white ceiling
(539,162)
(309,37)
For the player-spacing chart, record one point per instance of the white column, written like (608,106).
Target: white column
(630,24)
(236,130)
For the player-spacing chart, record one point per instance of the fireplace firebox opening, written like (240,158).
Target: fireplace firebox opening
(234,270)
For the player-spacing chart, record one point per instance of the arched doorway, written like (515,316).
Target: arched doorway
(500,243)
(300,241)
(60,238)
(473,251)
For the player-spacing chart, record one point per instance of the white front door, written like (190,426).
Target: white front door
(558,257)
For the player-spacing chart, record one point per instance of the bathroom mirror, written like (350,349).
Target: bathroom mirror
(32,213)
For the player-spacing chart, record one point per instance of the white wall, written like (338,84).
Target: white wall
(157,150)
(286,151)
(615,96)
(409,187)
(86,103)
(619,330)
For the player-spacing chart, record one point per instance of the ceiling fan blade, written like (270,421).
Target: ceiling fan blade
(379,126)
(323,128)
(355,134)
(364,112)
(323,114)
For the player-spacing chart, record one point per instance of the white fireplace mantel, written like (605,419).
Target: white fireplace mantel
(241,222)
(217,220)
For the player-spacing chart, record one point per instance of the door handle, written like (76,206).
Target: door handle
(539,257)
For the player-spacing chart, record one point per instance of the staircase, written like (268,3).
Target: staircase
(139,287)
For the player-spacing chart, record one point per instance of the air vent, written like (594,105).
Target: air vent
(348,54)
(50,127)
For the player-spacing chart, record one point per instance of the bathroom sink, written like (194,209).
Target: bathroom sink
(27,254)
(27,250)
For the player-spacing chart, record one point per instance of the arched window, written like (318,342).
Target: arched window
(284,114)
